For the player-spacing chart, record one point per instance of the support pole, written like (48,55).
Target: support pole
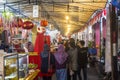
(101,37)
(113,32)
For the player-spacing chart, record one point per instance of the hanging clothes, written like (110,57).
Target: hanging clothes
(5,37)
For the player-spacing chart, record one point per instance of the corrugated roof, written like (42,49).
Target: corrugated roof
(55,11)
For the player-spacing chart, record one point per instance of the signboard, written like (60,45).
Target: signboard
(35,10)
(2,1)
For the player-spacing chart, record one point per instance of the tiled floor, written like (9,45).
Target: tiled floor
(92,74)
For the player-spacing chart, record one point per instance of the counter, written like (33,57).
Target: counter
(32,75)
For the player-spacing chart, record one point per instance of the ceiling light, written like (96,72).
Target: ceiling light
(50,27)
(68,29)
(68,25)
(67,33)
(67,17)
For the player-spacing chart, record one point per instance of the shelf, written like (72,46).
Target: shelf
(22,55)
(32,75)
(22,79)
(16,38)
(13,75)
(21,69)
(13,65)
(12,55)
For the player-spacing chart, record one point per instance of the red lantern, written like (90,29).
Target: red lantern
(28,25)
(44,23)
(20,22)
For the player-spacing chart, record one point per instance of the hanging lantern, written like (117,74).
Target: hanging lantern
(19,22)
(28,25)
(44,23)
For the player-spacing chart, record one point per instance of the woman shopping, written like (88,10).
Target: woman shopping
(60,60)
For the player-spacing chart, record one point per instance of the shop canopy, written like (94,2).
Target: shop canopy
(66,15)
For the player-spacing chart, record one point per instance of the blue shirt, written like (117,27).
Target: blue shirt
(92,51)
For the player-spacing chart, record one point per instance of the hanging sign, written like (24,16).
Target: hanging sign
(35,10)
(3,1)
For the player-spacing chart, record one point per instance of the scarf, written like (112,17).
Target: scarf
(61,55)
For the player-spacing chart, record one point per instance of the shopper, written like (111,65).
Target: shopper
(47,61)
(66,46)
(82,60)
(61,58)
(92,55)
(72,60)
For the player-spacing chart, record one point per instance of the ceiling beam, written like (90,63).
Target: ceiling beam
(92,1)
(17,11)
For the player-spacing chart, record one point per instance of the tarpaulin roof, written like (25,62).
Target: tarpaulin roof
(66,15)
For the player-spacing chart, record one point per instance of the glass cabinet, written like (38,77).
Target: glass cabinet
(23,65)
(13,66)
(9,67)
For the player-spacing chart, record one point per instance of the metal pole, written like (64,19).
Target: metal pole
(101,38)
(4,7)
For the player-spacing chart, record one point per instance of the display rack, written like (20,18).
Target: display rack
(9,66)
(23,65)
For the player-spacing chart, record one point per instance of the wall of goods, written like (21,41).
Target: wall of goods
(18,38)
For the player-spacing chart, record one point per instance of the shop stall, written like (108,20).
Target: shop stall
(21,44)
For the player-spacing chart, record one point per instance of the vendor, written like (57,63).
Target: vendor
(28,46)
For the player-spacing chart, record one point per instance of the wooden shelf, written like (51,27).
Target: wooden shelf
(33,54)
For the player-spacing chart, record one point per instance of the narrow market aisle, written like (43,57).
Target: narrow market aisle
(92,74)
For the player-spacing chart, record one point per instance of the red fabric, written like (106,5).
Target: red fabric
(39,43)
(45,74)
(38,48)
(35,60)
